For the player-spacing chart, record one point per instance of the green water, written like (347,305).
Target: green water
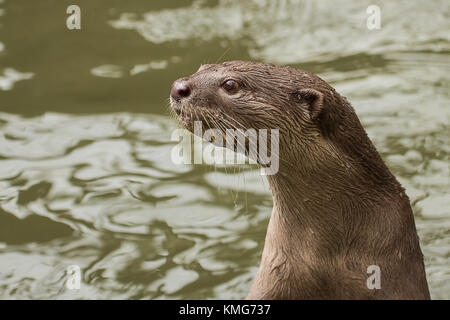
(86,176)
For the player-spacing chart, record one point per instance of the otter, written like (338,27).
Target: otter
(338,212)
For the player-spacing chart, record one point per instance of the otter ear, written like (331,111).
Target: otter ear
(314,99)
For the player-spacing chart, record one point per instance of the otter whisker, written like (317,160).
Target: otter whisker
(274,153)
(223,54)
(235,197)
(212,119)
(216,124)
(232,119)
(277,155)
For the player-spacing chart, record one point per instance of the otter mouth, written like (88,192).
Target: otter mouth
(188,114)
(225,133)
(184,116)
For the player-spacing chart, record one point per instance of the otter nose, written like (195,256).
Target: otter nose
(180,89)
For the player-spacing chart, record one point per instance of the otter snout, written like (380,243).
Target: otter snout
(180,89)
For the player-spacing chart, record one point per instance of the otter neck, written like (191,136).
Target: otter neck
(305,200)
(319,201)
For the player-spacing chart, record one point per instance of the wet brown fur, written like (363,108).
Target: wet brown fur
(337,207)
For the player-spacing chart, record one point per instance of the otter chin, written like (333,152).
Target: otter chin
(342,226)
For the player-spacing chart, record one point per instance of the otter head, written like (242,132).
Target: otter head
(247,95)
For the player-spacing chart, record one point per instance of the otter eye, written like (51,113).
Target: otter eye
(230,86)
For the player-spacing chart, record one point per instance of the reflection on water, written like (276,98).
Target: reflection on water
(299,30)
(99,190)
(10,76)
